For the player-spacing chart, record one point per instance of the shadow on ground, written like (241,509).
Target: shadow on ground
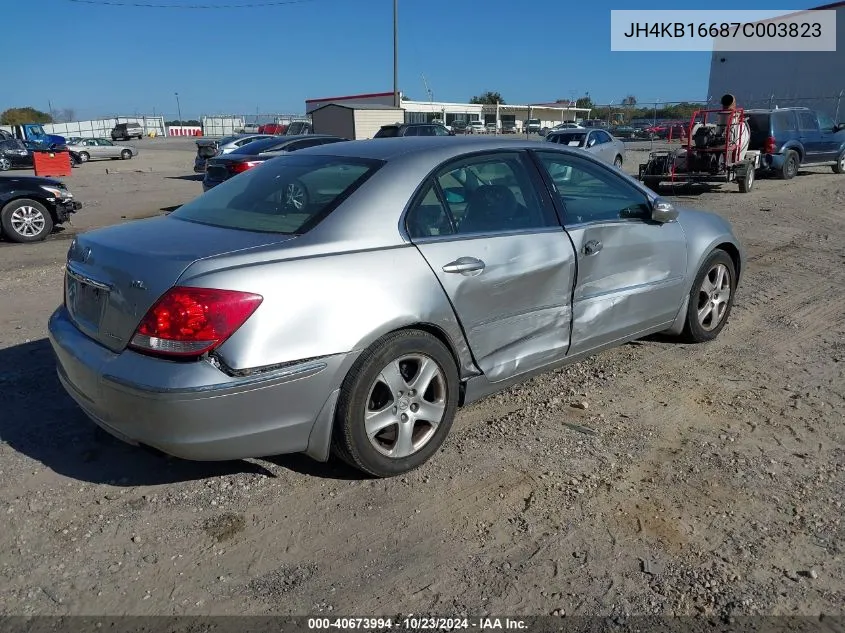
(42,422)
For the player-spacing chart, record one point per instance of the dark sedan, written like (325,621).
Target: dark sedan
(31,206)
(14,155)
(221,168)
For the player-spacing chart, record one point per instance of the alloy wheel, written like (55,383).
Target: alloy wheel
(713,297)
(405,405)
(28,221)
(5,164)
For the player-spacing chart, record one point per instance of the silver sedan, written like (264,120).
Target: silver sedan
(600,143)
(91,148)
(420,275)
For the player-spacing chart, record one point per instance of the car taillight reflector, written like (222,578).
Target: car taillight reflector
(189,321)
(237,168)
(771,145)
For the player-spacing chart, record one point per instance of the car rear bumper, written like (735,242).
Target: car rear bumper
(194,410)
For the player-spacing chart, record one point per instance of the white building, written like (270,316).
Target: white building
(353,120)
(424,111)
(784,79)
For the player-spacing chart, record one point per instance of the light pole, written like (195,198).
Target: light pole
(396,53)
(178,107)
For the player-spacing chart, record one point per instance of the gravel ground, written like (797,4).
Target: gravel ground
(657,478)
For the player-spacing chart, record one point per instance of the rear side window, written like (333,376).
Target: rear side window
(288,195)
(260,145)
(783,122)
(387,131)
(808,121)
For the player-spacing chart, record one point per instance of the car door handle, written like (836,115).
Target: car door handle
(592,247)
(464,265)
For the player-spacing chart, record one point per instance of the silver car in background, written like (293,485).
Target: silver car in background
(101,148)
(599,143)
(423,274)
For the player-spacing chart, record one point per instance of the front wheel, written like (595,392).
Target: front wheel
(5,164)
(26,220)
(397,404)
(711,298)
(84,157)
(125,154)
(617,162)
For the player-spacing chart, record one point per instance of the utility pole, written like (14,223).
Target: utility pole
(178,107)
(396,53)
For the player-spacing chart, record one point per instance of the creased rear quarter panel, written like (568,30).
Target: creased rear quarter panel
(332,304)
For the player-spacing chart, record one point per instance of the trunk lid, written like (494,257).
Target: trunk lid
(114,275)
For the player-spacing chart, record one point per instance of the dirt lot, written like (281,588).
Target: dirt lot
(695,479)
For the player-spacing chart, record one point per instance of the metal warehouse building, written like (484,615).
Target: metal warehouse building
(785,79)
(352,120)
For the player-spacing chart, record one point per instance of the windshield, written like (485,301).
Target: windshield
(261,145)
(573,140)
(387,131)
(288,195)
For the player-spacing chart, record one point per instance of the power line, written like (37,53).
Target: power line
(151,5)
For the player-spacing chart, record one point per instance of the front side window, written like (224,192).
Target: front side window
(825,122)
(591,193)
(808,122)
(287,195)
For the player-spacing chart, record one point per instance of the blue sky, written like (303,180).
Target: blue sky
(270,59)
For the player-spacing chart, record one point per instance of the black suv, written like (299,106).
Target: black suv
(412,129)
(792,137)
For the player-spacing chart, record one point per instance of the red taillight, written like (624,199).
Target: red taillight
(771,145)
(191,321)
(237,168)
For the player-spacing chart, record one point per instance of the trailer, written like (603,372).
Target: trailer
(716,151)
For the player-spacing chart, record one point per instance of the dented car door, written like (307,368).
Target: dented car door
(497,247)
(631,270)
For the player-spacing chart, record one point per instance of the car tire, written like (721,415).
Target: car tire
(5,164)
(25,220)
(84,157)
(716,276)
(400,428)
(839,166)
(125,154)
(746,180)
(790,165)
(617,162)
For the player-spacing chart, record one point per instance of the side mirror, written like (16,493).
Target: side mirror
(838,127)
(663,211)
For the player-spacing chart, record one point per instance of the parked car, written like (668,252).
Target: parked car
(412,129)
(273,128)
(298,128)
(221,168)
(794,137)
(14,155)
(595,141)
(208,147)
(477,127)
(127,131)
(91,148)
(491,128)
(250,128)
(567,125)
(460,127)
(241,325)
(31,206)
(532,126)
(508,127)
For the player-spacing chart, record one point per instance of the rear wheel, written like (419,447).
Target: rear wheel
(84,157)
(5,164)
(711,298)
(397,404)
(26,220)
(126,154)
(839,167)
(790,165)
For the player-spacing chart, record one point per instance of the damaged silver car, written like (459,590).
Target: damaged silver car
(410,277)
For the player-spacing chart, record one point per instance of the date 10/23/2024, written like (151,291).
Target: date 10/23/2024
(417,623)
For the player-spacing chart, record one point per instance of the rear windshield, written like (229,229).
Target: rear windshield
(260,145)
(574,139)
(288,195)
(388,131)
